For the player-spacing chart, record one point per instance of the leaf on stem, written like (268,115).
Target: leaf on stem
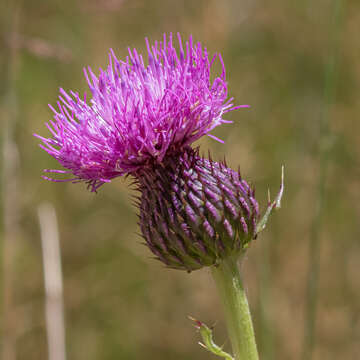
(207,336)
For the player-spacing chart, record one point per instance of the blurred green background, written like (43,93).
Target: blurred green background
(297,63)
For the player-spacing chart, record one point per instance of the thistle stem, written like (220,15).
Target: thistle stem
(237,312)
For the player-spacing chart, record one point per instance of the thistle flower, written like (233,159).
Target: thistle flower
(138,113)
(141,121)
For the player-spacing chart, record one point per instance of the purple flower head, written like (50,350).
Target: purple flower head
(138,114)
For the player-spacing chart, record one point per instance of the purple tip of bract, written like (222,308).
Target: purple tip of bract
(137,112)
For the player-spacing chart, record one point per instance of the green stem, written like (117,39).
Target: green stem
(237,312)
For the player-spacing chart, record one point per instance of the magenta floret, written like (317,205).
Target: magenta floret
(138,113)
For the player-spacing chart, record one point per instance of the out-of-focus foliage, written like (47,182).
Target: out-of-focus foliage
(119,303)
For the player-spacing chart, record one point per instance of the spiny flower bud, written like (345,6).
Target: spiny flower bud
(194,211)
